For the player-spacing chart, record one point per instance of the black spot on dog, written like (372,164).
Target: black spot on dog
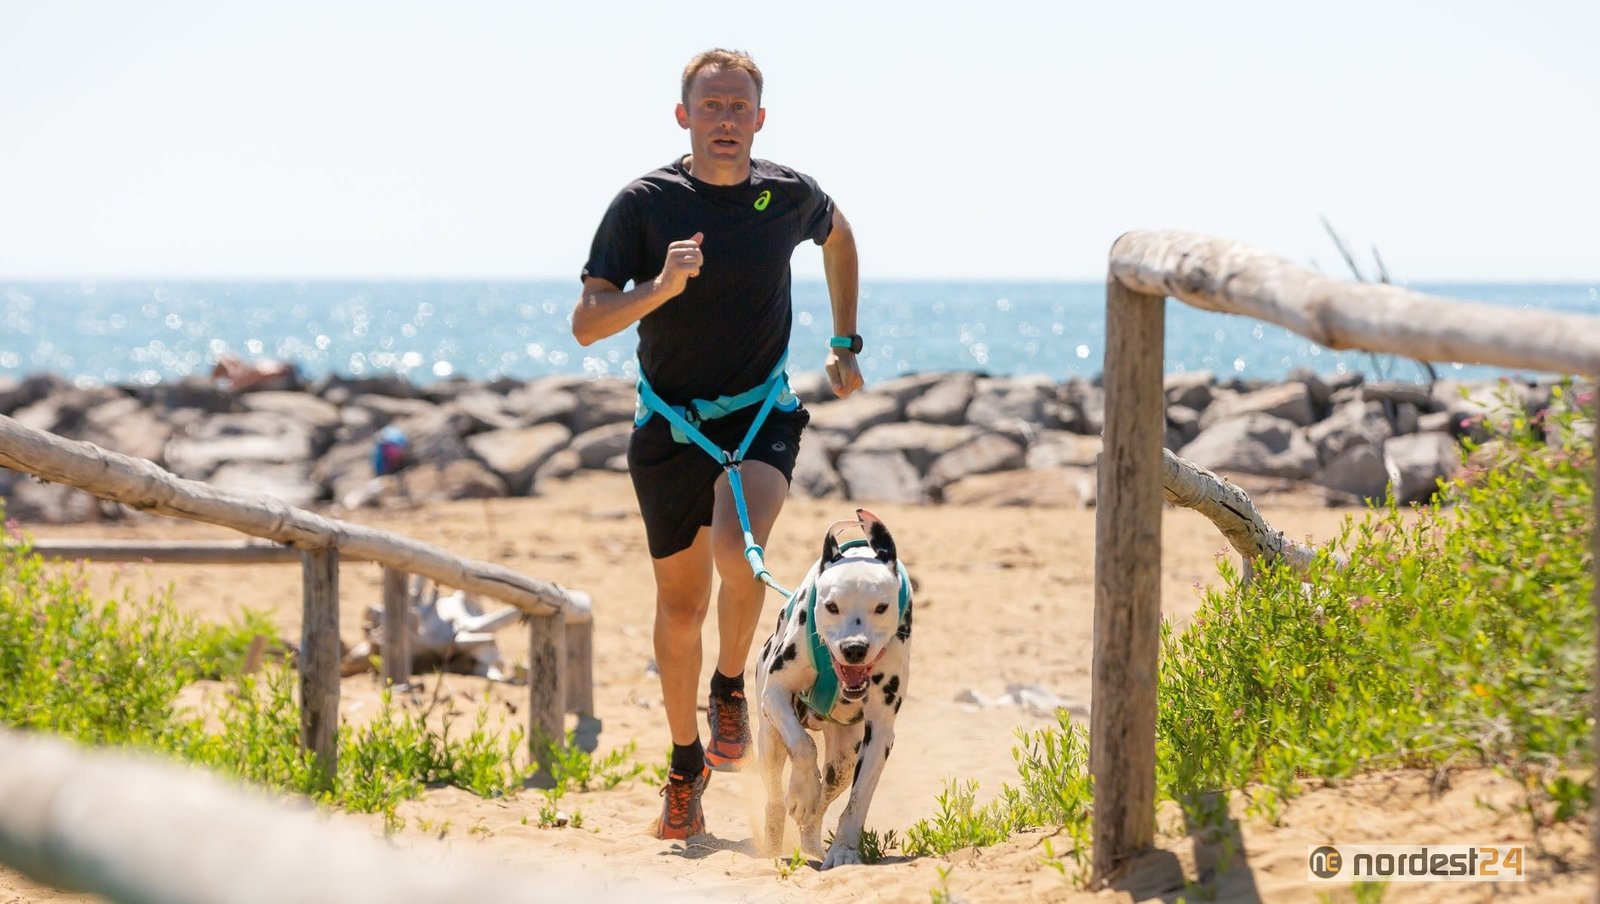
(766,648)
(878,678)
(856,779)
(833,775)
(897,704)
(801,616)
(775,666)
(788,653)
(858,748)
(893,687)
(904,631)
(866,737)
(888,750)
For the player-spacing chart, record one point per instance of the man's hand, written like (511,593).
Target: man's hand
(844,373)
(682,264)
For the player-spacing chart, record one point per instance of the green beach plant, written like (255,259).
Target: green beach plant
(1458,634)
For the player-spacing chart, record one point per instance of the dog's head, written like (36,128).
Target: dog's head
(858,603)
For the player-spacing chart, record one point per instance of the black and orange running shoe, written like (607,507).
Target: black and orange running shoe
(729,718)
(681,815)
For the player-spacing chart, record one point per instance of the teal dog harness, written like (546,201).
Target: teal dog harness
(823,694)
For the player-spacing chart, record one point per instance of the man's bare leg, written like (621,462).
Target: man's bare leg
(740,596)
(683,594)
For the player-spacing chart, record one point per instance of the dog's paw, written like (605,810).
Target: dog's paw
(805,795)
(841,854)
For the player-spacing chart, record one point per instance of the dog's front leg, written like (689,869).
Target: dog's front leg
(877,740)
(805,782)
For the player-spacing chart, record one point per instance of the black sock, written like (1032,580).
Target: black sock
(688,759)
(724,687)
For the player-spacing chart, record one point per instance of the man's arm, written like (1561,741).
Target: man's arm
(840,266)
(605,310)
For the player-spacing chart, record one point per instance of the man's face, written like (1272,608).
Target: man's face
(723,116)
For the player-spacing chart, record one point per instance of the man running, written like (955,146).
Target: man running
(706,242)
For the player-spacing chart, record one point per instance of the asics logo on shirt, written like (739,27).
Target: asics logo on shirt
(763,199)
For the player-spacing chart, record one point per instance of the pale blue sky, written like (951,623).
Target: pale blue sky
(964,140)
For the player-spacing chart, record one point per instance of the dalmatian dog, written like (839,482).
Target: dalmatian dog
(839,663)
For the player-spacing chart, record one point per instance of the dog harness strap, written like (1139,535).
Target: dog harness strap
(824,692)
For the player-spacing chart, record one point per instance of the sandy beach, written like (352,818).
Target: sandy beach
(1005,595)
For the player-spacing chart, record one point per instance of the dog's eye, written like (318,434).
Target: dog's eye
(833,608)
(882,608)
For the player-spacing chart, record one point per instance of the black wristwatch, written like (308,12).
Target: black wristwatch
(851,342)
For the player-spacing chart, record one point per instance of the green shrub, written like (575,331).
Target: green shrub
(1457,634)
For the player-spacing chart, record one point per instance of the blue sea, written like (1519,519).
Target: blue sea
(144,332)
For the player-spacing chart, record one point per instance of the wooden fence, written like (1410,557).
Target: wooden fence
(561,667)
(1218,275)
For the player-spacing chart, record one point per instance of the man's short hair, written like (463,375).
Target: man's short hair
(725,60)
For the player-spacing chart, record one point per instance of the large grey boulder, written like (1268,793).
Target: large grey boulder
(597,448)
(1289,401)
(1416,464)
(1013,406)
(814,474)
(448,481)
(1191,389)
(1044,487)
(850,417)
(880,477)
(540,402)
(1257,444)
(907,388)
(1062,449)
(946,401)
(124,425)
(1354,423)
(256,436)
(288,482)
(16,393)
(602,403)
(518,453)
(920,443)
(1357,471)
(985,454)
(63,413)
(482,410)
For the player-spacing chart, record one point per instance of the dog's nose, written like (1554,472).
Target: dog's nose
(853,651)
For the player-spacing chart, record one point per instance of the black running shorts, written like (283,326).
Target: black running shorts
(676,482)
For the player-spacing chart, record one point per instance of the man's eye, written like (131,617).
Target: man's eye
(833,608)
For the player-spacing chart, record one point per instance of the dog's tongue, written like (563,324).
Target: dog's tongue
(855,676)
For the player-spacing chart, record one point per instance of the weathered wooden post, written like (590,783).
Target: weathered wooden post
(319,659)
(396,627)
(1127,586)
(580,668)
(547,680)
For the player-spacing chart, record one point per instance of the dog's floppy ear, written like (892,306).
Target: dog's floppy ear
(877,535)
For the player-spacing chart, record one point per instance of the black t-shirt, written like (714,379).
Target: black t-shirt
(725,333)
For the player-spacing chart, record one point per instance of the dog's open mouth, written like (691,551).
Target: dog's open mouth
(853,679)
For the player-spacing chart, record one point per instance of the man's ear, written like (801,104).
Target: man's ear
(683,116)
(761,118)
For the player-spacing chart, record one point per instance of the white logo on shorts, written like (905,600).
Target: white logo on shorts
(778,447)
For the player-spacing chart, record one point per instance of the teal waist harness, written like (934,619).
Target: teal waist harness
(823,695)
